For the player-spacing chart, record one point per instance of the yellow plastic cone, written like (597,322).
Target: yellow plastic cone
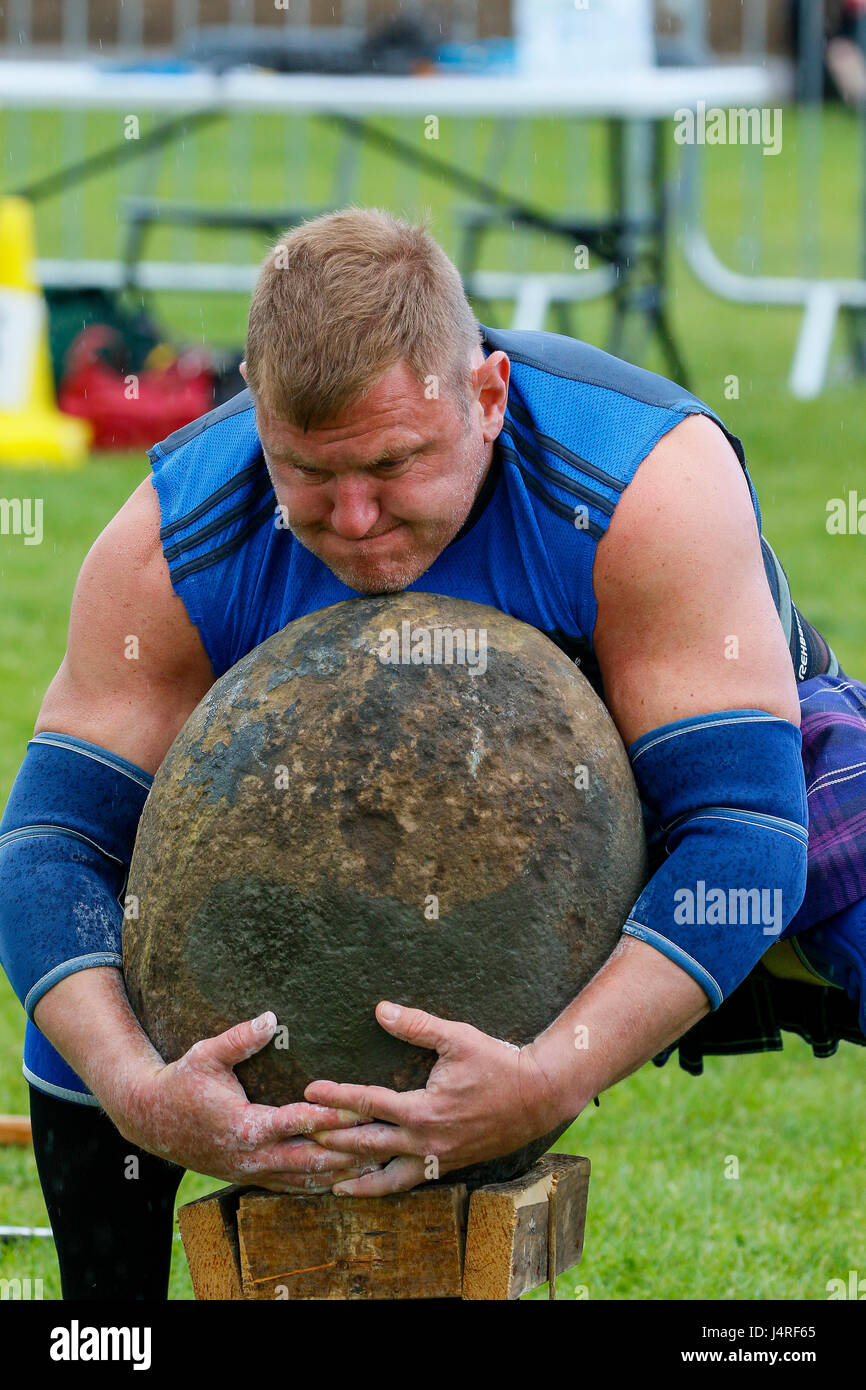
(32,429)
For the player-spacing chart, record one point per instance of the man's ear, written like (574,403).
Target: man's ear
(491,379)
(243,370)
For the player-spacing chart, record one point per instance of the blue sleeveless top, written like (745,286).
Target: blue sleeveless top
(578,424)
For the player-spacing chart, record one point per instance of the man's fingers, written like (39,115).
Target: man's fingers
(303,1184)
(417,1027)
(323,1182)
(306,1156)
(263,1122)
(377,1142)
(371,1102)
(398,1176)
(236,1044)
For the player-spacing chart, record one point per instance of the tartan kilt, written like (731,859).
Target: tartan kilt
(754,1016)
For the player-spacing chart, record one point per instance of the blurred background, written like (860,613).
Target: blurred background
(682,183)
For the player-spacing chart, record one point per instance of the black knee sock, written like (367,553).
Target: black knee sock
(111,1205)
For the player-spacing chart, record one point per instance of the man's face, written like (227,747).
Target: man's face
(380,491)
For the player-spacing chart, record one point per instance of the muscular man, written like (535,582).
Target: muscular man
(388,441)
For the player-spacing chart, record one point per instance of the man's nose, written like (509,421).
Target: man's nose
(355,509)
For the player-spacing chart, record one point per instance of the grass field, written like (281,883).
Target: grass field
(664,1220)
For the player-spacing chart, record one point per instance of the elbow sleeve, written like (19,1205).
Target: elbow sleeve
(66,842)
(724,798)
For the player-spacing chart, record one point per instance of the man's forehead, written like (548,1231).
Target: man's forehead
(394,415)
(379,438)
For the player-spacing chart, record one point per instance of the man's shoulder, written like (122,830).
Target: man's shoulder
(570,360)
(232,410)
(213,487)
(588,415)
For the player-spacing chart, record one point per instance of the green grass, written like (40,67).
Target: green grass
(664,1221)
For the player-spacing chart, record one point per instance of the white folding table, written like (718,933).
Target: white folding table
(631,241)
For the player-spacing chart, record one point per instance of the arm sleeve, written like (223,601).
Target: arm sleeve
(724,800)
(66,841)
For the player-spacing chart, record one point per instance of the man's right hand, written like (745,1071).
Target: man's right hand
(195,1113)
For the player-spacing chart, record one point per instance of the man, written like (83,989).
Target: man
(388,442)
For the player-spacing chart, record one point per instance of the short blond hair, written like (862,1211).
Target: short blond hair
(343,297)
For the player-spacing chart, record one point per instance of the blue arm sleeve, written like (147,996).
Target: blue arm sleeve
(724,798)
(66,841)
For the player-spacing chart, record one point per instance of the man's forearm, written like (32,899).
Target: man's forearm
(88,1019)
(637,1004)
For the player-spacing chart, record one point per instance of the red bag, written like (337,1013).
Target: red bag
(131,410)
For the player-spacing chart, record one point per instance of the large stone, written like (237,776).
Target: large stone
(344,818)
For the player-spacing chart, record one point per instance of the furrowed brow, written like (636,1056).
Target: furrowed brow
(386,455)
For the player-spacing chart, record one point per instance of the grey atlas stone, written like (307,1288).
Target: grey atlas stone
(350,816)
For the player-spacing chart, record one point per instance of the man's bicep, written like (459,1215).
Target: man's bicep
(686,623)
(134,666)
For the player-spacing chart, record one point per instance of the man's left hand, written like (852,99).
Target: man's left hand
(483,1098)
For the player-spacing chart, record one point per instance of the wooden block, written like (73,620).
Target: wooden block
(431,1242)
(15,1129)
(510,1242)
(407,1245)
(208,1229)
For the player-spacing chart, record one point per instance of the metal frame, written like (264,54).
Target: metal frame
(631,239)
(822,299)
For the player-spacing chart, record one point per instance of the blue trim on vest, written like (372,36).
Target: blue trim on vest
(552,446)
(558,476)
(235,406)
(213,557)
(233,485)
(574,360)
(212,528)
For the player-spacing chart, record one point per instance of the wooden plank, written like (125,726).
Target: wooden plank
(208,1229)
(509,1239)
(251,1244)
(569,1196)
(406,1245)
(15,1129)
